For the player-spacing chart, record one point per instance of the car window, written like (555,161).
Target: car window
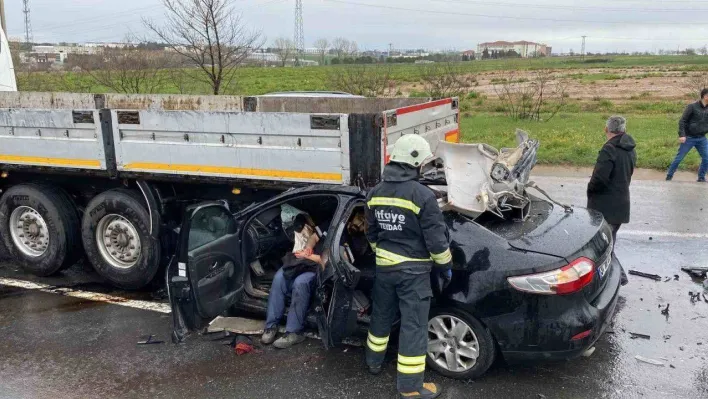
(209,224)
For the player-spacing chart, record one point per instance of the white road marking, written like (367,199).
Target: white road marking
(92,296)
(670,234)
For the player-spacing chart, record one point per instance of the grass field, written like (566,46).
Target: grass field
(575,138)
(649,90)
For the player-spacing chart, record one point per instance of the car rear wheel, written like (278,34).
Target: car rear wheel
(459,346)
(117,240)
(39,226)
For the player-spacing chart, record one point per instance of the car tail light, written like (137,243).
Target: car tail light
(453,136)
(566,280)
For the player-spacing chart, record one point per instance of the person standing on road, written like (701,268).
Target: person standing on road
(608,190)
(693,127)
(408,233)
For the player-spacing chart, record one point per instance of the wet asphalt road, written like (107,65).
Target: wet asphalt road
(64,347)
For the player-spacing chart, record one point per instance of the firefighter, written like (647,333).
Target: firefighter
(407,230)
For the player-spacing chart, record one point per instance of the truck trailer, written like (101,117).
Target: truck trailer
(107,177)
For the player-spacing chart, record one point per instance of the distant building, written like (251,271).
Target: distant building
(524,48)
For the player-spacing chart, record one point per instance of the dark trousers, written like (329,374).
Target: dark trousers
(615,229)
(410,294)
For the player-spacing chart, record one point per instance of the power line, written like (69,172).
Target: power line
(566,7)
(511,17)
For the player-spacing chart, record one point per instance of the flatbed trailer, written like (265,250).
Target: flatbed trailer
(108,176)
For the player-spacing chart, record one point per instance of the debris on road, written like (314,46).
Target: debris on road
(649,361)
(695,296)
(672,366)
(667,337)
(665,312)
(676,277)
(696,271)
(638,335)
(150,341)
(654,277)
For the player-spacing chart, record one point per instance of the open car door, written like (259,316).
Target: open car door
(206,276)
(341,277)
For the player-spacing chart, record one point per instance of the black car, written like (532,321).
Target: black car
(544,288)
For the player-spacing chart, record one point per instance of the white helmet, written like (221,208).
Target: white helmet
(411,149)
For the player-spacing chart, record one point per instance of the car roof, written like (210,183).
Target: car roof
(315,94)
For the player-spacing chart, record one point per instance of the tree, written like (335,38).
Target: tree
(442,80)
(284,48)
(340,47)
(127,70)
(353,49)
(210,34)
(703,50)
(322,45)
(485,54)
(690,51)
(539,95)
(363,80)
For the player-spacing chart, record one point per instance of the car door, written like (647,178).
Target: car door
(340,319)
(206,276)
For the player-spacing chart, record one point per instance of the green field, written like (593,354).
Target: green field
(571,138)
(575,138)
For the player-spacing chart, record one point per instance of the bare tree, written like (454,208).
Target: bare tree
(540,95)
(364,80)
(703,50)
(284,48)
(322,45)
(443,80)
(210,34)
(353,49)
(128,70)
(695,83)
(340,46)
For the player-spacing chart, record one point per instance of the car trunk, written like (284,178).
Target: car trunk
(549,230)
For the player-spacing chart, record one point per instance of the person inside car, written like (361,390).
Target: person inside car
(295,280)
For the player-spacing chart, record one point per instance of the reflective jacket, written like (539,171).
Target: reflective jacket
(405,225)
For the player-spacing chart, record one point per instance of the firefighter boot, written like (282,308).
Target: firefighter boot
(428,391)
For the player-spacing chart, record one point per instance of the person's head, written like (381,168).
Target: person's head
(704,95)
(411,149)
(616,125)
(357,224)
(299,222)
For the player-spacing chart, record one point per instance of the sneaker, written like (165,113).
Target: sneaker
(669,178)
(269,336)
(701,180)
(429,391)
(288,340)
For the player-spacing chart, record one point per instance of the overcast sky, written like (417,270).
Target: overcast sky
(610,25)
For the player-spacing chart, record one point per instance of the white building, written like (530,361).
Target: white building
(524,48)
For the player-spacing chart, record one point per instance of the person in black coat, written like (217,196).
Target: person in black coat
(608,190)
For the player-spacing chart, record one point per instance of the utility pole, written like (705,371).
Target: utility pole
(582,49)
(2,16)
(299,32)
(28,24)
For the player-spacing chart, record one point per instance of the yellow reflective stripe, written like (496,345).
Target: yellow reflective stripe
(373,245)
(386,258)
(442,258)
(411,360)
(375,347)
(411,369)
(376,340)
(397,202)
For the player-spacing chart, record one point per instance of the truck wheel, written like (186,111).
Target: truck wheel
(459,346)
(117,241)
(39,226)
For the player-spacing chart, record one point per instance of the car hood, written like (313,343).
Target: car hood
(550,230)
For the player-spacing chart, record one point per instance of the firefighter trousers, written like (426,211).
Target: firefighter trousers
(410,294)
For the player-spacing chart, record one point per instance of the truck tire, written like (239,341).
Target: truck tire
(39,226)
(116,235)
(471,338)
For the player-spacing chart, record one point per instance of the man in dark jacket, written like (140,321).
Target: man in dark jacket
(608,190)
(408,232)
(693,127)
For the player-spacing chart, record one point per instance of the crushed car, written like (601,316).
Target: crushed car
(533,279)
